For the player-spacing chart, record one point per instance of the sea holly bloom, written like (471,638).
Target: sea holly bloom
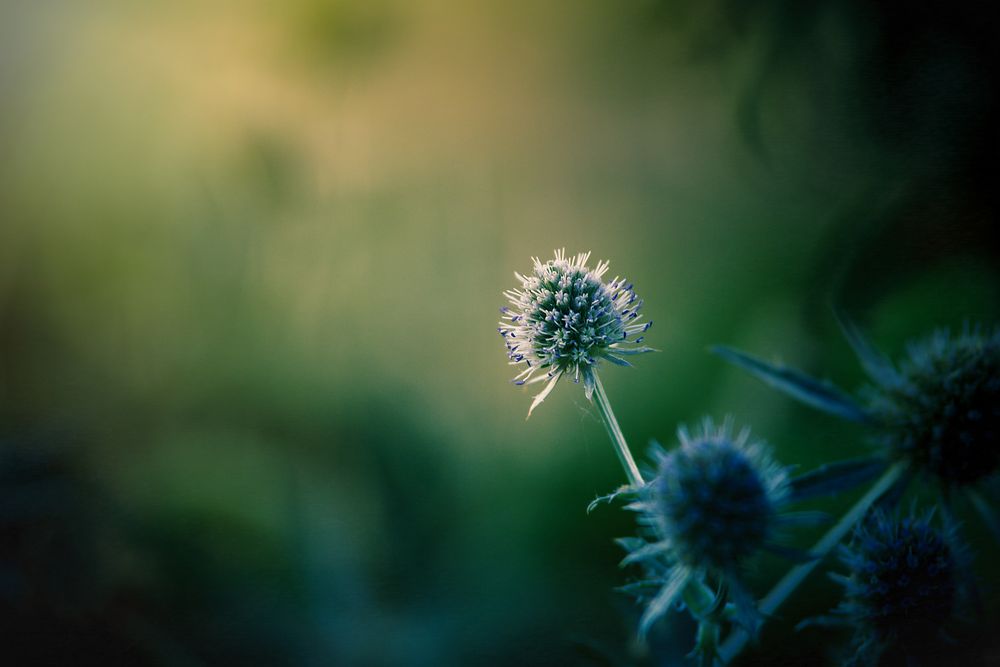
(715,502)
(901,587)
(937,411)
(564,319)
(941,408)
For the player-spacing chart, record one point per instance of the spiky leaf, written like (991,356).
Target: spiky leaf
(820,395)
(831,478)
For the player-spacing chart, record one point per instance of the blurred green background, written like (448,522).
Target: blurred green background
(253,405)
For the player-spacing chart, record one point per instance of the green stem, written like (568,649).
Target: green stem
(616,435)
(706,646)
(784,588)
(698,597)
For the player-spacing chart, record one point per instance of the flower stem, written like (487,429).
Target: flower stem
(699,599)
(616,435)
(735,643)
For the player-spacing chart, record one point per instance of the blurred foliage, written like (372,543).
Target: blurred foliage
(253,406)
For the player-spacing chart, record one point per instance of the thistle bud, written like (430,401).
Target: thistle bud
(902,585)
(941,409)
(715,497)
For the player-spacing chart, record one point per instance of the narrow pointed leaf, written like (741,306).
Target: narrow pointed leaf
(832,478)
(633,350)
(630,543)
(659,605)
(820,395)
(878,367)
(646,551)
(589,385)
(823,622)
(639,588)
(545,392)
(616,360)
(838,578)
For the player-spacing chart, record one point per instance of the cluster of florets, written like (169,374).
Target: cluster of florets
(716,501)
(902,585)
(715,497)
(564,318)
(941,408)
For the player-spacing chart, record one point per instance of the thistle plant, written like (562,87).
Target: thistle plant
(718,498)
(901,586)
(565,319)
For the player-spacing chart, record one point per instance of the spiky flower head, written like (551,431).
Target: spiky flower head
(715,502)
(902,584)
(941,408)
(564,319)
(715,497)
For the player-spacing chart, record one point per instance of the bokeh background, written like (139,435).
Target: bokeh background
(253,405)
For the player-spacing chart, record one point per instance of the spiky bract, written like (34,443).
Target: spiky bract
(565,318)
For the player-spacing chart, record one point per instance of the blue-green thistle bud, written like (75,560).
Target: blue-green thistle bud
(565,318)
(902,585)
(715,497)
(716,501)
(941,408)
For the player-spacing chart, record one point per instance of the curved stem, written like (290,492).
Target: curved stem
(784,588)
(616,435)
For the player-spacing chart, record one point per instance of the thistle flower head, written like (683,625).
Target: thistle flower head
(716,501)
(564,318)
(902,584)
(715,497)
(941,408)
